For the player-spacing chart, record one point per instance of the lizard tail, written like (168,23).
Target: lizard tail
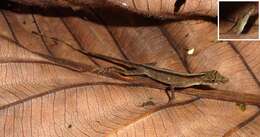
(119,62)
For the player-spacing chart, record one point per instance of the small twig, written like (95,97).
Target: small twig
(241,125)
(225,95)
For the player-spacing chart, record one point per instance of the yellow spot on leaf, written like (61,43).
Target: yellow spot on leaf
(191,51)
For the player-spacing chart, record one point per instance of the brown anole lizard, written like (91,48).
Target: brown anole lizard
(169,77)
(165,76)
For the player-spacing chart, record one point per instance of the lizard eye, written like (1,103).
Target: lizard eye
(212,76)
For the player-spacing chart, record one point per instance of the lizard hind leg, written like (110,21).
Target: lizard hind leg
(130,72)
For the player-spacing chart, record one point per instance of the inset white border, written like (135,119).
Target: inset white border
(239,39)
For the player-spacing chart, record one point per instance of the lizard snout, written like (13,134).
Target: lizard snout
(224,80)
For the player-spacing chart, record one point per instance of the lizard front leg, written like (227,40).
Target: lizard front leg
(170,92)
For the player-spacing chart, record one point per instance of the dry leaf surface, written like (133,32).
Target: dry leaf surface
(42,93)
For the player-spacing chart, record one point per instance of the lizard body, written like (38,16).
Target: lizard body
(165,76)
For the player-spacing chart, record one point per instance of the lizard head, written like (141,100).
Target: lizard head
(213,77)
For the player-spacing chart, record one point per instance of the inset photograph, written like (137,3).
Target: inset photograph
(238,20)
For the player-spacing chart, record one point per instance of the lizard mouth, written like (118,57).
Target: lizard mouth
(214,84)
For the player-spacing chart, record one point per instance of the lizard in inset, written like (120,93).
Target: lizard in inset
(241,22)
